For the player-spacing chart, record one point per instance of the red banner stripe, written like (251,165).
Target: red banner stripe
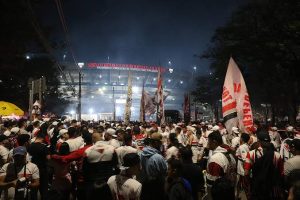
(229,107)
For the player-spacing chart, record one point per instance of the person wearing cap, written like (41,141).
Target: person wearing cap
(235,142)
(266,167)
(241,153)
(275,137)
(62,137)
(8,126)
(109,136)
(124,186)
(154,169)
(192,141)
(285,147)
(294,162)
(12,174)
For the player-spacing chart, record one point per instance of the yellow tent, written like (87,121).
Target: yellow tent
(7,109)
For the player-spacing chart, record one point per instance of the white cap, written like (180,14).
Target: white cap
(128,128)
(111,131)
(15,130)
(190,128)
(215,128)
(194,125)
(62,131)
(274,128)
(209,127)
(46,119)
(54,123)
(235,130)
(289,128)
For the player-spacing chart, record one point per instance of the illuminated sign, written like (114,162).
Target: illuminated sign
(126,67)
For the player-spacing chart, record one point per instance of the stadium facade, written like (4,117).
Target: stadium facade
(104,85)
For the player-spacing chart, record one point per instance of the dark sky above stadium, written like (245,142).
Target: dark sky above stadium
(145,32)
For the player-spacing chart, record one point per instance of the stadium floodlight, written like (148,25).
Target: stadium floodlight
(80,64)
(181,82)
(91,110)
(171,70)
(72,112)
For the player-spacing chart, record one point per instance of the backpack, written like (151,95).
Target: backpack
(231,173)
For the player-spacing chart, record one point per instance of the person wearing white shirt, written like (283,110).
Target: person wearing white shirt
(294,162)
(127,148)
(124,186)
(241,154)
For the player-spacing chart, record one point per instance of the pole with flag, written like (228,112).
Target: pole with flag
(160,99)
(186,108)
(142,106)
(128,100)
(236,106)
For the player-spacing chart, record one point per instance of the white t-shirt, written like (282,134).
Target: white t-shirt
(127,189)
(172,151)
(75,143)
(100,152)
(235,142)
(122,151)
(241,154)
(115,143)
(7,133)
(4,152)
(32,173)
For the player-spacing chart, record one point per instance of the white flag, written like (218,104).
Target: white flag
(236,105)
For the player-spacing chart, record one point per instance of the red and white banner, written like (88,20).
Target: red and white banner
(131,67)
(236,105)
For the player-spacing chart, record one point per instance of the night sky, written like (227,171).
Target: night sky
(140,31)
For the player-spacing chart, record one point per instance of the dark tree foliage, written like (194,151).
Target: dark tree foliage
(18,39)
(264,39)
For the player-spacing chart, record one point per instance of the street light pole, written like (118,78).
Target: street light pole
(79,91)
(114,105)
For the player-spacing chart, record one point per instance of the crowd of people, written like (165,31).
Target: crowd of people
(67,159)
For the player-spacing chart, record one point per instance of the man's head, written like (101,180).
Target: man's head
(22,123)
(174,168)
(109,133)
(19,155)
(97,136)
(263,137)
(4,141)
(186,154)
(128,139)
(214,140)
(72,131)
(295,147)
(244,138)
(177,130)
(23,140)
(156,140)
(131,161)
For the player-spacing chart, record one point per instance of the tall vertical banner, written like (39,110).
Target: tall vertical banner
(236,107)
(187,108)
(142,106)
(160,99)
(128,100)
